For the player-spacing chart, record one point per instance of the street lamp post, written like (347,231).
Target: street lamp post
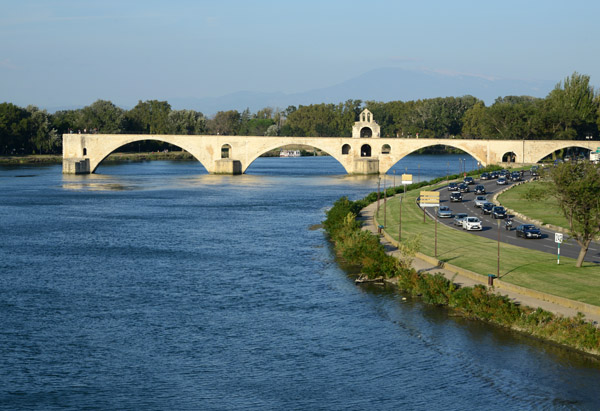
(384,203)
(498,269)
(378,193)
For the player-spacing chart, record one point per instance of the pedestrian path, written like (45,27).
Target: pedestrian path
(421,265)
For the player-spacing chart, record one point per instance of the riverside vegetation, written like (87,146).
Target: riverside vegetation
(363,250)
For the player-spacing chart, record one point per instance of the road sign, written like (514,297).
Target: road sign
(429,199)
(406,179)
(558,238)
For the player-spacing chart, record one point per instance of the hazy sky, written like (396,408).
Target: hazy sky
(73,52)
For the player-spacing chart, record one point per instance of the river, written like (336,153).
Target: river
(154,285)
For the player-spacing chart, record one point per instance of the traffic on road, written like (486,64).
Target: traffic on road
(465,207)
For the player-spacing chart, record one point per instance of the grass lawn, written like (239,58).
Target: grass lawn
(520,266)
(533,200)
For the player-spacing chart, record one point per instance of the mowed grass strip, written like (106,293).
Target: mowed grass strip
(526,199)
(520,266)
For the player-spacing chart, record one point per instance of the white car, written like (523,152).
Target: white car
(480,200)
(471,223)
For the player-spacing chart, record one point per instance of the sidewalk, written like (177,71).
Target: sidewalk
(421,265)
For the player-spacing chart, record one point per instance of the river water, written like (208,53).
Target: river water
(157,286)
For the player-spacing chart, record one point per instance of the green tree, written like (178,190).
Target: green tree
(571,109)
(43,138)
(14,129)
(225,123)
(186,122)
(151,116)
(576,186)
(102,116)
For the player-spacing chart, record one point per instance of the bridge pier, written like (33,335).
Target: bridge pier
(76,166)
(228,166)
(365,166)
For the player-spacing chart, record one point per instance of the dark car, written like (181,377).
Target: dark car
(485,176)
(469,180)
(515,176)
(456,196)
(452,186)
(499,212)
(528,231)
(463,188)
(486,208)
(494,175)
(479,189)
(534,171)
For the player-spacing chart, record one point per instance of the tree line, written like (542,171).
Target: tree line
(570,111)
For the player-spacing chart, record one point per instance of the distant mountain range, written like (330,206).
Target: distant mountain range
(384,84)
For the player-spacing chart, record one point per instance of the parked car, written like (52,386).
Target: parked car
(444,212)
(501,181)
(486,208)
(452,187)
(463,188)
(485,176)
(469,180)
(471,223)
(479,200)
(479,189)
(498,212)
(456,196)
(528,231)
(459,217)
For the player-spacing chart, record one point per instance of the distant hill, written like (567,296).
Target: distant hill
(384,84)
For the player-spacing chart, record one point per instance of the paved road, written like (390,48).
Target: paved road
(568,248)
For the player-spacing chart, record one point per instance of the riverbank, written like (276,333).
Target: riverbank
(466,297)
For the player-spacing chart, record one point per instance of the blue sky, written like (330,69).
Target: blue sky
(73,52)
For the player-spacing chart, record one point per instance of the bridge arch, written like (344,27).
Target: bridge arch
(109,146)
(509,157)
(554,147)
(401,151)
(336,154)
(346,149)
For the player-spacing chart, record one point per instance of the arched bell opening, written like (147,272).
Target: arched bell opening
(366,132)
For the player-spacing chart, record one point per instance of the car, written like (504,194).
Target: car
(485,176)
(498,212)
(471,223)
(501,181)
(479,189)
(528,231)
(456,196)
(479,200)
(486,208)
(515,176)
(494,175)
(469,180)
(444,212)
(463,188)
(458,218)
(534,171)
(452,187)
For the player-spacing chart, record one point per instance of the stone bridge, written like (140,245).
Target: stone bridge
(361,154)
